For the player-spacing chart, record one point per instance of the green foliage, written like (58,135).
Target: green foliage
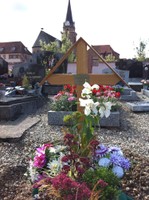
(111,191)
(109,58)
(54,46)
(63,104)
(141,51)
(83,126)
(25,82)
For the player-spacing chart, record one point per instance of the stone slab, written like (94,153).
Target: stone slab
(139,106)
(15,129)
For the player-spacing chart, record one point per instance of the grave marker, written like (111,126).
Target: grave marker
(82,74)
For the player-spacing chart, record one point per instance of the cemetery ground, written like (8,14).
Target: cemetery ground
(132,136)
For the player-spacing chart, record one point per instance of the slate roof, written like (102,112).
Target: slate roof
(44,37)
(13,47)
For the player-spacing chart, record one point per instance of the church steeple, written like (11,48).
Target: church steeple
(69,19)
(69,25)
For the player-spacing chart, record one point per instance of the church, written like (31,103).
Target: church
(69,26)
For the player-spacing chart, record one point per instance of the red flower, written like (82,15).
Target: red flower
(117,94)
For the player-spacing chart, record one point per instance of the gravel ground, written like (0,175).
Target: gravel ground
(132,137)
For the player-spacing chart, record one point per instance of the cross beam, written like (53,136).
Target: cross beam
(82,74)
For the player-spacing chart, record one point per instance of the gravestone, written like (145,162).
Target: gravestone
(124,74)
(35,73)
(136,70)
(146,72)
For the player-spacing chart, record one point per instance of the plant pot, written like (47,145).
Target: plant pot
(112,121)
(56,118)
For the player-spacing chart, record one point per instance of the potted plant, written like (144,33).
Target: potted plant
(65,102)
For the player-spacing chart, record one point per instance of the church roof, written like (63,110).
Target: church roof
(44,37)
(69,15)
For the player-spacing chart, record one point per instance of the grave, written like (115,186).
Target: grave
(129,94)
(141,106)
(82,73)
(12,107)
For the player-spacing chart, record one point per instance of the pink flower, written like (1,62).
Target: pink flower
(39,161)
(71,98)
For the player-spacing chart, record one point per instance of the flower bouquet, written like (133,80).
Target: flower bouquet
(79,167)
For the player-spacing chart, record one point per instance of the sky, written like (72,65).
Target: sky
(122,24)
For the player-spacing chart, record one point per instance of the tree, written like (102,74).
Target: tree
(54,46)
(141,51)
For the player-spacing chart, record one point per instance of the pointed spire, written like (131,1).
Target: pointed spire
(69,19)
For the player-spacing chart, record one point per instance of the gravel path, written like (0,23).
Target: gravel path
(132,136)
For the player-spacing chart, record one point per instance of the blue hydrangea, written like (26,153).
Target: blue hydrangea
(104,162)
(118,171)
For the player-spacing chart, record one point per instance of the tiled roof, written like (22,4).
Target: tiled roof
(44,37)
(104,49)
(13,47)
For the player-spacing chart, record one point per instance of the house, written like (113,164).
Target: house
(104,51)
(14,53)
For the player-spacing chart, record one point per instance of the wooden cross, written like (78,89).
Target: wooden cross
(82,74)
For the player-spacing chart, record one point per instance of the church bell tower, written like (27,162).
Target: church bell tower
(69,25)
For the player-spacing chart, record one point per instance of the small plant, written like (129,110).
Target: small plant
(65,100)
(25,82)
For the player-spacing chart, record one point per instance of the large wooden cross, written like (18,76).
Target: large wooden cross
(82,74)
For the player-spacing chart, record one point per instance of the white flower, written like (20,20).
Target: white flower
(88,89)
(105,109)
(104,162)
(54,167)
(32,171)
(118,171)
(90,106)
(52,150)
